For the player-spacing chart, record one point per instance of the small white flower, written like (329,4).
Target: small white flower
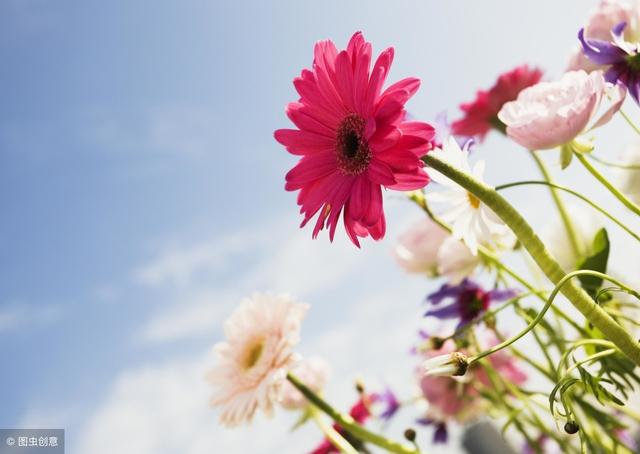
(258,353)
(313,372)
(455,260)
(448,365)
(471,220)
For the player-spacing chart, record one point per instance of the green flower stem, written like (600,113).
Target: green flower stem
(607,184)
(582,343)
(332,435)
(628,120)
(617,165)
(576,194)
(563,282)
(348,423)
(528,238)
(566,220)
(588,359)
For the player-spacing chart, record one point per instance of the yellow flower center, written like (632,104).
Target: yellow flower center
(473,200)
(253,354)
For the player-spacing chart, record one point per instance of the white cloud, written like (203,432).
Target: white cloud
(20,315)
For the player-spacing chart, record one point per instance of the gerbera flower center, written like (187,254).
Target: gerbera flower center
(473,201)
(253,354)
(352,149)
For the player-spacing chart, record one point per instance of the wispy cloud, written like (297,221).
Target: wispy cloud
(20,316)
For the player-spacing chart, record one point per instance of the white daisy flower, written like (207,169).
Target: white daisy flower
(254,361)
(471,220)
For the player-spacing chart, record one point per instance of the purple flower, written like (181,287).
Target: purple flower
(622,58)
(465,301)
(440,435)
(390,403)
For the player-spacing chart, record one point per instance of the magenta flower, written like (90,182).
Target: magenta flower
(465,301)
(621,57)
(354,139)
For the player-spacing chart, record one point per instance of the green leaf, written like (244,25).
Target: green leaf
(566,155)
(597,261)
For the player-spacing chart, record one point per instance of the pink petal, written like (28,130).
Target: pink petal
(380,173)
(303,142)
(310,168)
(299,115)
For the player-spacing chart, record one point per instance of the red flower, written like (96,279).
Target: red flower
(359,412)
(482,114)
(353,138)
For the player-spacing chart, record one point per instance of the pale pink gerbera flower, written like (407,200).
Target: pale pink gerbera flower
(353,138)
(254,361)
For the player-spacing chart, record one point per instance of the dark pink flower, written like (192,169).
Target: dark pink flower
(482,114)
(354,139)
(359,412)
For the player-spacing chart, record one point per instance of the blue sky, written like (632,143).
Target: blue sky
(142,197)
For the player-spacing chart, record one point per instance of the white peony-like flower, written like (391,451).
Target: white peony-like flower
(313,372)
(417,248)
(455,260)
(630,178)
(471,220)
(429,249)
(253,362)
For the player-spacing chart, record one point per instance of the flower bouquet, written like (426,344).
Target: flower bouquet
(551,355)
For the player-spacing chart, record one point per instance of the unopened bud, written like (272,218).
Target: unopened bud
(571,427)
(452,364)
(410,434)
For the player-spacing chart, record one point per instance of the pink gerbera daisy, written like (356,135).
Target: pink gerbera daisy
(353,138)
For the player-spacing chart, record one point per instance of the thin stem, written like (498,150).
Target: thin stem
(332,435)
(617,165)
(574,193)
(631,123)
(607,184)
(347,422)
(566,220)
(591,358)
(549,266)
(540,315)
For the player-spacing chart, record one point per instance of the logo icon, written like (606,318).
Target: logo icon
(11,441)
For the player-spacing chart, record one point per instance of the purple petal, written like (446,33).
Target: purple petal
(601,52)
(440,435)
(618,30)
(502,294)
(451,291)
(450,311)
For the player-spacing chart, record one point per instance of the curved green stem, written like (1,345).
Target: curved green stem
(332,435)
(347,422)
(576,194)
(549,302)
(588,359)
(607,184)
(549,266)
(617,165)
(566,220)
